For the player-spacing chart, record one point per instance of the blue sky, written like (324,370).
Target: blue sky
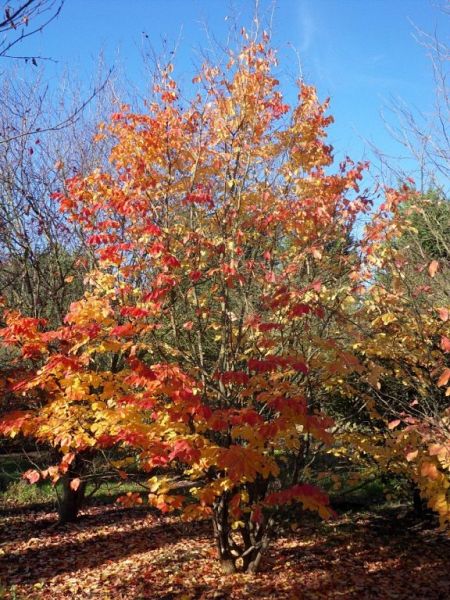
(361,53)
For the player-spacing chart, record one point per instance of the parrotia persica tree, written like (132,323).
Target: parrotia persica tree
(207,338)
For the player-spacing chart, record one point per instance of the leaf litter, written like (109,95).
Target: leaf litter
(136,554)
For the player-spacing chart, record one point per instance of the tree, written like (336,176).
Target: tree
(22,19)
(41,253)
(407,340)
(423,135)
(206,338)
(43,256)
(404,346)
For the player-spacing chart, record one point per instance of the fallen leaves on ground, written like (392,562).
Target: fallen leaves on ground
(132,554)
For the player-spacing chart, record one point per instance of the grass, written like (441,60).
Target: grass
(15,491)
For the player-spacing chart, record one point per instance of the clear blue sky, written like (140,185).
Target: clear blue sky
(359,52)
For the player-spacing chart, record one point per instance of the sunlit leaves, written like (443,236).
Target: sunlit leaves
(229,307)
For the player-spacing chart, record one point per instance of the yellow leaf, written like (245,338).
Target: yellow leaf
(388,318)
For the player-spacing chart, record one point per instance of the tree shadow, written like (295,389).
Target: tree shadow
(380,558)
(358,557)
(75,547)
(41,520)
(33,507)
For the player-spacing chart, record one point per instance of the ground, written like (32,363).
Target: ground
(132,554)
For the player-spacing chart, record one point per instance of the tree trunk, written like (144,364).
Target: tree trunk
(71,501)
(420,506)
(244,557)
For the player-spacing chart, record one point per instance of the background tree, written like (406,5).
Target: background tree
(422,135)
(43,256)
(40,250)
(407,277)
(405,345)
(22,19)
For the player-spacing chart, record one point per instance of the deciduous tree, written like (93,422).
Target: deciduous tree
(207,337)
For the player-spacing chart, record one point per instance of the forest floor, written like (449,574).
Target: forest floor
(131,554)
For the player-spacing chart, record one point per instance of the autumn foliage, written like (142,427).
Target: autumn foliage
(405,318)
(230,305)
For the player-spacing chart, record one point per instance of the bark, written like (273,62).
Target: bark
(420,506)
(243,557)
(71,500)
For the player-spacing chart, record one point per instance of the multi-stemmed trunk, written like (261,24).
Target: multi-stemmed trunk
(245,554)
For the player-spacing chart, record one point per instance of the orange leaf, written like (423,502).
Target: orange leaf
(436,449)
(394,424)
(75,484)
(445,343)
(32,475)
(429,470)
(444,378)
(443,314)
(433,268)
(412,455)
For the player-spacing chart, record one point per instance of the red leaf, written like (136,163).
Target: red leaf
(13,421)
(126,330)
(300,367)
(183,451)
(238,377)
(171,261)
(134,311)
(195,275)
(152,229)
(300,309)
(263,327)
